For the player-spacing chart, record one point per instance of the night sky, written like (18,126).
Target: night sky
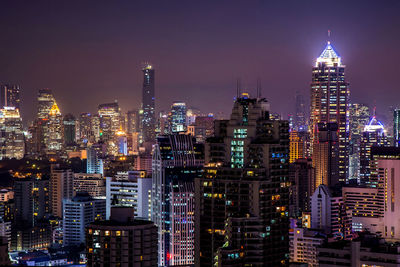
(90,52)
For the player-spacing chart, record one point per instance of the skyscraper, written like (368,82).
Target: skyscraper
(396,127)
(61,187)
(246,182)
(69,124)
(45,102)
(148,105)
(54,130)
(178,117)
(9,96)
(177,161)
(12,144)
(329,104)
(110,117)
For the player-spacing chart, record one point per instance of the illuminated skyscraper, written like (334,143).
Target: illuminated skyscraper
(177,161)
(359,117)
(245,183)
(132,121)
(9,96)
(45,102)
(121,142)
(85,128)
(12,144)
(329,104)
(54,130)
(148,105)
(178,117)
(396,127)
(374,134)
(110,116)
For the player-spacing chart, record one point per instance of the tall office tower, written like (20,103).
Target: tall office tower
(359,117)
(85,128)
(61,187)
(78,213)
(45,102)
(328,213)
(247,169)
(110,117)
(300,116)
(30,230)
(374,134)
(9,96)
(92,183)
(148,105)
(96,130)
(132,121)
(130,189)
(325,155)
(178,117)
(296,146)
(177,160)
(121,240)
(329,104)
(121,141)
(94,162)
(12,141)
(163,124)
(396,127)
(69,125)
(54,130)
(302,178)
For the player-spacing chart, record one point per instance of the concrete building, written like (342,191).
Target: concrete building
(61,187)
(79,212)
(121,241)
(303,246)
(92,183)
(130,189)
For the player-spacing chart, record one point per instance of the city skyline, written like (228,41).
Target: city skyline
(100,53)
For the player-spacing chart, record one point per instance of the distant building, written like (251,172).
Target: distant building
(396,127)
(148,121)
(303,246)
(10,96)
(94,161)
(45,102)
(178,117)
(12,141)
(78,213)
(296,146)
(121,240)
(92,183)
(69,125)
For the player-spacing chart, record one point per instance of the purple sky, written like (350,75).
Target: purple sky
(90,52)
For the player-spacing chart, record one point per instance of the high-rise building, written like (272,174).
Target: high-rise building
(132,121)
(177,161)
(12,141)
(178,117)
(374,134)
(85,128)
(396,127)
(359,117)
(69,125)
(130,189)
(329,104)
(54,130)
(202,128)
(94,163)
(302,178)
(110,120)
(121,141)
(245,180)
(148,104)
(300,116)
(78,213)
(9,96)
(303,246)
(61,188)
(296,146)
(121,240)
(45,102)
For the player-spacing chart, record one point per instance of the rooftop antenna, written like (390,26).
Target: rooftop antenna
(238,88)
(258,88)
(329,36)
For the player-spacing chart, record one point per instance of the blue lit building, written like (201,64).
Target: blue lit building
(94,163)
(178,117)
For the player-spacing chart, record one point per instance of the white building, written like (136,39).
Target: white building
(79,212)
(303,246)
(130,189)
